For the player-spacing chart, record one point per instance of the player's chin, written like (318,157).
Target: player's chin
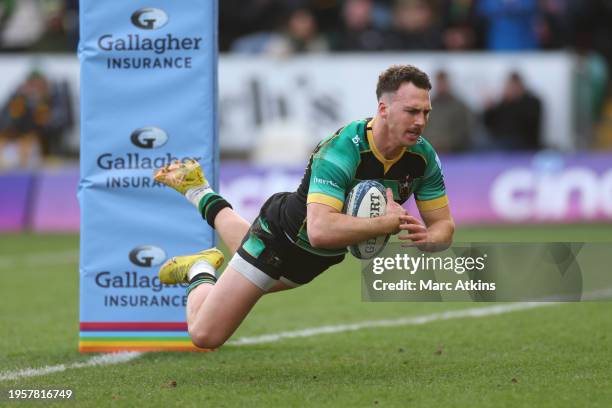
(410,139)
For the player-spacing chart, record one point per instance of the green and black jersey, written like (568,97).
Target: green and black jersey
(343,160)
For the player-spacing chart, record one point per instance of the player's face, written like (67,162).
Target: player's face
(406,113)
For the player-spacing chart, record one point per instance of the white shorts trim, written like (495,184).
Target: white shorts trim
(289,283)
(256,276)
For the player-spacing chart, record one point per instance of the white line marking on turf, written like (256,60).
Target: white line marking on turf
(117,358)
(404,321)
(103,359)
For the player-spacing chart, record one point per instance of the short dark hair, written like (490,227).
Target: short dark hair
(394,76)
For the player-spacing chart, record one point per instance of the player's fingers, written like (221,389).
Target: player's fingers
(409,219)
(389,194)
(413,227)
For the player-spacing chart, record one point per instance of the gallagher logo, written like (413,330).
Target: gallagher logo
(149,137)
(149,18)
(147,256)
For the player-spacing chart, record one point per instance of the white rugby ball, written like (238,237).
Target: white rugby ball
(367,200)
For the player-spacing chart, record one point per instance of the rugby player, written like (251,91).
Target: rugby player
(299,235)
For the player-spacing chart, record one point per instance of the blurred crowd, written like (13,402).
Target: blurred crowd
(38,110)
(513,122)
(290,27)
(293,26)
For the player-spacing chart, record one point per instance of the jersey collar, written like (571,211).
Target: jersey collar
(387,163)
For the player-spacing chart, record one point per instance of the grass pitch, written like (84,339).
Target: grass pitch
(558,355)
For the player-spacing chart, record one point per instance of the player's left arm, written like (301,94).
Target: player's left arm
(435,235)
(431,199)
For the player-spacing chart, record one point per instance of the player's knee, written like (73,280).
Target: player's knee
(206,338)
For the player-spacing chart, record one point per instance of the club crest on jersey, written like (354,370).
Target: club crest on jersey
(405,188)
(356,139)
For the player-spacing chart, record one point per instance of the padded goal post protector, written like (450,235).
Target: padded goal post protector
(148,96)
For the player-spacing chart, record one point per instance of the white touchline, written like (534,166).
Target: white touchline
(103,359)
(124,357)
(404,321)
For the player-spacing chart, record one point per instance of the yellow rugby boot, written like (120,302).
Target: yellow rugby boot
(176,269)
(182,176)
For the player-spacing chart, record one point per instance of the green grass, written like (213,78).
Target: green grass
(536,233)
(551,356)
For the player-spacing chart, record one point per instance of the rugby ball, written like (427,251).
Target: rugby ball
(367,200)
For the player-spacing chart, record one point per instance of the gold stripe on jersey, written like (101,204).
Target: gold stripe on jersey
(325,199)
(429,205)
(387,163)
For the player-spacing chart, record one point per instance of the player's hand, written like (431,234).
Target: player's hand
(396,214)
(415,232)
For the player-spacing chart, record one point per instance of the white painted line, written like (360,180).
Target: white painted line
(101,360)
(404,321)
(117,358)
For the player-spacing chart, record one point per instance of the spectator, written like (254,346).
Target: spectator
(61,26)
(301,34)
(22,117)
(22,24)
(360,29)
(591,20)
(514,122)
(240,18)
(553,26)
(511,24)
(462,29)
(416,26)
(34,118)
(451,122)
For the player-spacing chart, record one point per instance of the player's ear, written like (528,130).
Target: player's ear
(382,108)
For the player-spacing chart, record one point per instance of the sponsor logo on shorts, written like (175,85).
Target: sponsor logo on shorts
(147,256)
(149,18)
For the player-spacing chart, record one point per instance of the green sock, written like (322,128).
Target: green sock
(199,280)
(210,205)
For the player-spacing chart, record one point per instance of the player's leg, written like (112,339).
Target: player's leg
(224,313)
(216,308)
(231,227)
(188,179)
(200,293)
(215,312)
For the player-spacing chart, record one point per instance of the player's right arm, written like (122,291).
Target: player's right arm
(328,228)
(332,170)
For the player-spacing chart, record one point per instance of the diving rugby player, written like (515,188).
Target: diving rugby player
(299,235)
